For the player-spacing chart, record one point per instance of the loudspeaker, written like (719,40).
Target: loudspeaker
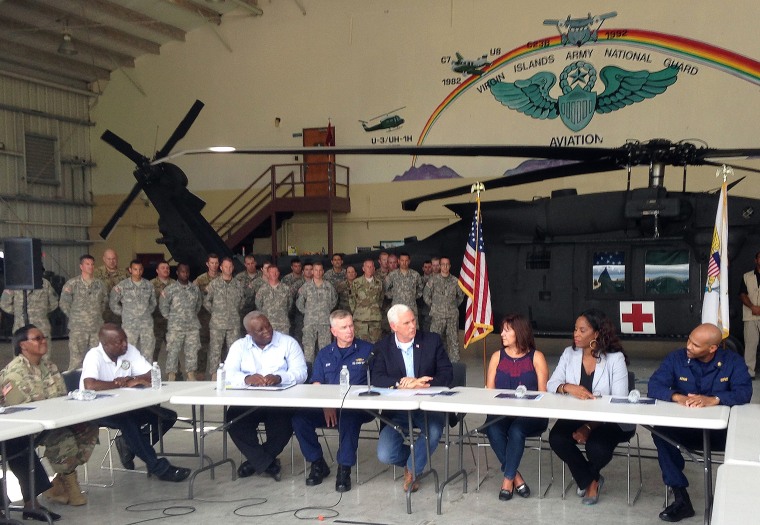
(23,263)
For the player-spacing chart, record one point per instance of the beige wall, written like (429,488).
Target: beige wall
(349,60)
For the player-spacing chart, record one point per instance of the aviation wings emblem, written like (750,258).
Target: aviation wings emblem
(578,102)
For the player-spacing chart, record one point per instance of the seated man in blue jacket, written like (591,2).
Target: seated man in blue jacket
(353,353)
(408,358)
(700,375)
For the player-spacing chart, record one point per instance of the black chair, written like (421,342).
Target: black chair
(71,379)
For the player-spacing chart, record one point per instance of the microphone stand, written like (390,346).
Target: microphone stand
(369,391)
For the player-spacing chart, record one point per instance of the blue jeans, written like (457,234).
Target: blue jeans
(507,438)
(130,424)
(391,449)
(305,423)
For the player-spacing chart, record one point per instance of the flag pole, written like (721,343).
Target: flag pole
(476,189)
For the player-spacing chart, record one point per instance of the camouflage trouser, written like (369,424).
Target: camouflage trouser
(68,447)
(110,317)
(368,330)
(187,340)
(79,344)
(448,329)
(282,326)
(296,327)
(205,334)
(315,334)
(219,342)
(159,330)
(141,337)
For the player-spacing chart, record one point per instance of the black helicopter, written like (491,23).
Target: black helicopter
(549,258)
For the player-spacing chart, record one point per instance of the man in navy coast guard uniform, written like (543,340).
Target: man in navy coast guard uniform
(353,353)
(700,375)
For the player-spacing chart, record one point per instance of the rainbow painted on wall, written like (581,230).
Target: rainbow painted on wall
(683,48)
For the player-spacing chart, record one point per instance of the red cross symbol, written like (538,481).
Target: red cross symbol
(637,317)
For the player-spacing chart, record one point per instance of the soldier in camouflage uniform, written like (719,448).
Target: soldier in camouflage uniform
(83,301)
(247,279)
(316,299)
(274,299)
(180,303)
(160,282)
(443,294)
(382,272)
(344,289)
(134,299)
(224,298)
(294,280)
(404,285)
(111,274)
(29,377)
(427,272)
(366,302)
(39,303)
(336,274)
(204,316)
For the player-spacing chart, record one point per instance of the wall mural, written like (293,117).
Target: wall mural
(599,71)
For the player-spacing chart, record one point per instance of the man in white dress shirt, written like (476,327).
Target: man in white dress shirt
(264,357)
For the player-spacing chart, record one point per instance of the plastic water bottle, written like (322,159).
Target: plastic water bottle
(520,391)
(155,376)
(345,383)
(634,396)
(221,378)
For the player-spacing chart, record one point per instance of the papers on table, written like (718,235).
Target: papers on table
(410,392)
(512,395)
(13,409)
(266,388)
(624,401)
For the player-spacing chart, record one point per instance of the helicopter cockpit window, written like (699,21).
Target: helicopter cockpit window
(608,272)
(666,272)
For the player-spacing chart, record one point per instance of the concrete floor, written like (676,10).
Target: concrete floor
(136,499)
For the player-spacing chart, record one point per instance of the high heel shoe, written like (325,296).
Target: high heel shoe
(593,500)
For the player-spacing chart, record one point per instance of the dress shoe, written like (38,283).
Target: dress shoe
(38,514)
(343,478)
(409,481)
(319,471)
(505,495)
(273,470)
(593,500)
(523,490)
(246,470)
(174,474)
(681,508)
(126,455)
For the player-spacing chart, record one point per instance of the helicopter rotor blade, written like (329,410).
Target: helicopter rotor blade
(106,231)
(123,147)
(554,172)
(734,166)
(182,129)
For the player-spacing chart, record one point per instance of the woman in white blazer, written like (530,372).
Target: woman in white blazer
(594,365)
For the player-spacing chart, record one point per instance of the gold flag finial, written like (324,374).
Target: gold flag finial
(725,171)
(477,188)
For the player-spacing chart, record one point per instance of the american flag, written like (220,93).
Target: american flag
(715,300)
(473,280)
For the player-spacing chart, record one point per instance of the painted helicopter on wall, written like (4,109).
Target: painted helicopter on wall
(387,121)
(549,258)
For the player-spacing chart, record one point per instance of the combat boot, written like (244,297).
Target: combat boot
(71,482)
(343,479)
(319,471)
(58,491)
(191,376)
(171,376)
(680,508)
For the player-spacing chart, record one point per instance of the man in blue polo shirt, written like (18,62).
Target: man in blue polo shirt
(353,353)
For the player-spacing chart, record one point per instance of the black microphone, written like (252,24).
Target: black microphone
(368,365)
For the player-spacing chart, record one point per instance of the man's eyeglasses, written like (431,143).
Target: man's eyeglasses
(39,338)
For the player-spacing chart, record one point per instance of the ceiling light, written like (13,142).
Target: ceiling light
(67,45)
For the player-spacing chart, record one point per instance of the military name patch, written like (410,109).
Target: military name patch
(682,378)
